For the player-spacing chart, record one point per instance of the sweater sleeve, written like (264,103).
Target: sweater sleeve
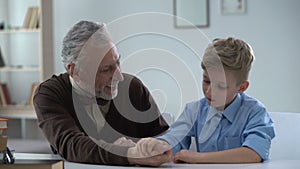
(143,101)
(65,134)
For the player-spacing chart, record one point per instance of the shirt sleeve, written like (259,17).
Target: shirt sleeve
(144,103)
(259,133)
(179,135)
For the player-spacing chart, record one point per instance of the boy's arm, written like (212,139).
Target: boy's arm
(179,133)
(236,155)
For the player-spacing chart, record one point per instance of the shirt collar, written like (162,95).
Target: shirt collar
(85,96)
(231,110)
(78,90)
(212,112)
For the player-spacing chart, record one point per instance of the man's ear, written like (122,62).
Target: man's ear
(71,69)
(243,86)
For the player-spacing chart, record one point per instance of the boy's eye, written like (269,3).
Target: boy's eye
(222,87)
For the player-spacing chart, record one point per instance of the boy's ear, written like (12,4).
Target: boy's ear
(243,86)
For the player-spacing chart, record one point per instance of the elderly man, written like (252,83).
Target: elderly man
(91,113)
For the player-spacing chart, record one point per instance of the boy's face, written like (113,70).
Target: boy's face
(219,89)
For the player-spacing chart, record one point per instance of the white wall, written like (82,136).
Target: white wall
(270,26)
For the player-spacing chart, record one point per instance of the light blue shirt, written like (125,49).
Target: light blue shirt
(245,122)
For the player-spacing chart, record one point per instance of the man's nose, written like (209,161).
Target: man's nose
(118,74)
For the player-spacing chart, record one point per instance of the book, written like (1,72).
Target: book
(31,20)
(32,91)
(4,95)
(3,142)
(27,18)
(34,18)
(34,164)
(3,139)
(3,123)
(37,25)
(2,63)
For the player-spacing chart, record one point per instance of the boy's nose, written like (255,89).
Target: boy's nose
(208,90)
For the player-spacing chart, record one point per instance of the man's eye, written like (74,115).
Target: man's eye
(206,81)
(105,69)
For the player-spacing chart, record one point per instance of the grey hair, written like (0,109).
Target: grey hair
(77,37)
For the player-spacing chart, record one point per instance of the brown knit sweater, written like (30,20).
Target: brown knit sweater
(64,122)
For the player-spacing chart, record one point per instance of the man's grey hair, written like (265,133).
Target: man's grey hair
(78,36)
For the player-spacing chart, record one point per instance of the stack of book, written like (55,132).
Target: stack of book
(35,162)
(3,139)
(32,18)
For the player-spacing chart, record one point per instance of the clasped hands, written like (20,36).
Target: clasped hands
(147,151)
(150,151)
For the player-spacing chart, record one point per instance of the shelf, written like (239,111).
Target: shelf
(28,56)
(19,31)
(18,112)
(19,69)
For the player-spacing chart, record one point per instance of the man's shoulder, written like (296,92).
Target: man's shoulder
(56,82)
(128,76)
(131,79)
(61,78)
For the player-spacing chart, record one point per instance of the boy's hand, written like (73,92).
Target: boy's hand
(151,147)
(186,156)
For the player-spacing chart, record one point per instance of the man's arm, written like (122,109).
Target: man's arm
(65,135)
(63,131)
(140,97)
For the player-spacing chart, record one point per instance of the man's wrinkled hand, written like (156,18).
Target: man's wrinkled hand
(122,141)
(135,157)
(148,147)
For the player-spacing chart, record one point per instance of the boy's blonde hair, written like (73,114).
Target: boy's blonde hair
(229,54)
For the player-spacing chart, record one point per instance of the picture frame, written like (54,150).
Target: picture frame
(233,6)
(191,13)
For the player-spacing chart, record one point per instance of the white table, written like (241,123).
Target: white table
(271,164)
(284,164)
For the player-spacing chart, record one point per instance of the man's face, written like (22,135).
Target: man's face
(219,88)
(108,75)
(99,71)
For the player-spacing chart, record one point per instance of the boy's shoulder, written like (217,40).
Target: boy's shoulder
(251,102)
(196,104)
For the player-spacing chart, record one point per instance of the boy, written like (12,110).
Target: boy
(228,125)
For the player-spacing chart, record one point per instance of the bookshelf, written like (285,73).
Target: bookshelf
(28,57)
